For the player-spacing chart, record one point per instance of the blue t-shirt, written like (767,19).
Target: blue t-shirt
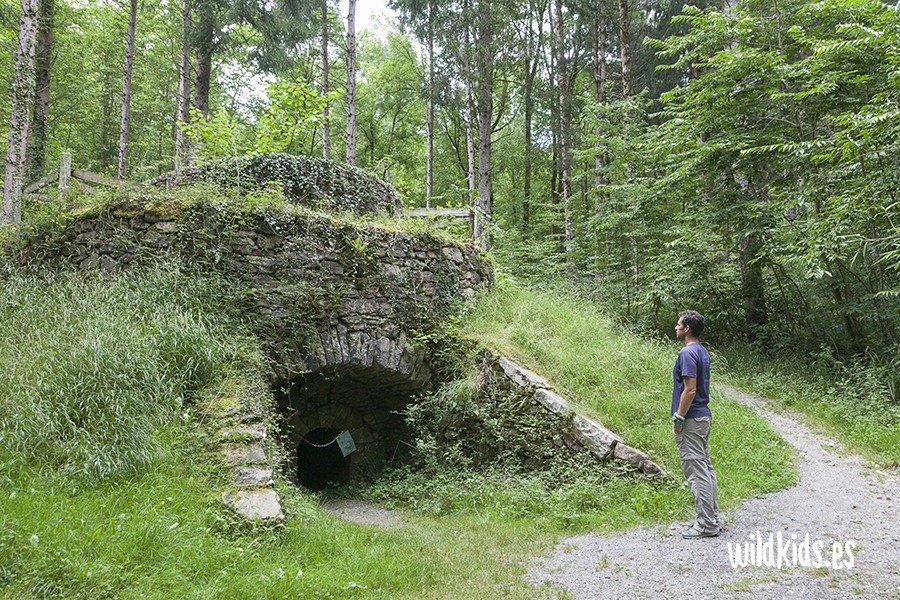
(693,361)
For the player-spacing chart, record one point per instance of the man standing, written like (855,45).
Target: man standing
(692,421)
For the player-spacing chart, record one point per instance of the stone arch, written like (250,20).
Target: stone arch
(353,381)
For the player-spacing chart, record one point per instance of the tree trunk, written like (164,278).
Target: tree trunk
(531,65)
(485,44)
(625,49)
(470,140)
(20,114)
(40,118)
(125,126)
(183,109)
(565,156)
(752,285)
(326,128)
(351,83)
(600,80)
(470,110)
(429,111)
(202,77)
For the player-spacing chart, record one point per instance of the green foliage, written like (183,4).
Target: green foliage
(219,137)
(93,368)
(311,182)
(625,381)
(857,400)
(291,118)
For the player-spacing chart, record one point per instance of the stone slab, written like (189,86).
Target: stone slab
(553,401)
(597,438)
(522,376)
(258,505)
(638,460)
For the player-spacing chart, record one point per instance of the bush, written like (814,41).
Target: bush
(311,182)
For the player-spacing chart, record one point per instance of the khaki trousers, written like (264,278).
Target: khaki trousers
(693,448)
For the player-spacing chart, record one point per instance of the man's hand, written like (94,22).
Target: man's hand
(677,423)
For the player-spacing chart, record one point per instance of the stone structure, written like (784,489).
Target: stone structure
(339,305)
(582,432)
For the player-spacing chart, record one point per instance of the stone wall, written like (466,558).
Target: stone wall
(333,301)
(324,292)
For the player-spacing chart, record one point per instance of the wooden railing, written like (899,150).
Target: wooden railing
(68,176)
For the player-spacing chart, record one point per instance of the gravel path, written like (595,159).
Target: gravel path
(839,497)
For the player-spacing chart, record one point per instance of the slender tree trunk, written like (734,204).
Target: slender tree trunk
(752,285)
(40,118)
(125,125)
(470,108)
(326,127)
(470,141)
(183,109)
(20,114)
(625,49)
(600,81)
(565,156)
(202,77)
(531,63)
(351,83)
(485,45)
(429,111)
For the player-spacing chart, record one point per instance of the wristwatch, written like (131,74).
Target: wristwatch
(679,420)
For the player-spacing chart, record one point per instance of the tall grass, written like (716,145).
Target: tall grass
(625,381)
(855,400)
(105,493)
(92,367)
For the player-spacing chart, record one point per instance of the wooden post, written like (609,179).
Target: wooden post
(65,171)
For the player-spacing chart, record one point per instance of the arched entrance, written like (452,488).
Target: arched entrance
(341,422)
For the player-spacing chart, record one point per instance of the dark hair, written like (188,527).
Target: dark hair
(694,320)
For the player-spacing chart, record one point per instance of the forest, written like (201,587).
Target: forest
(735,157)
(624,160)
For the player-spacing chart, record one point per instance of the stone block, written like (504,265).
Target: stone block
(244,454)
(255,432)
(552,401)
(637,459)
(257,505)
(249,476)
(522,376)
(595,437)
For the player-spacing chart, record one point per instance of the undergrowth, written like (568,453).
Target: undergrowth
(856,400)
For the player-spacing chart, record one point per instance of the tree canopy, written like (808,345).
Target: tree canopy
(737,158)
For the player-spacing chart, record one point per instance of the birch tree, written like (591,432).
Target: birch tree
(125,124)
(326,126)
(20,114)
(40,118)
(351,82)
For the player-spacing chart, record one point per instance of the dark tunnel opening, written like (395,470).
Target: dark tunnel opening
(343,424)
(320,460)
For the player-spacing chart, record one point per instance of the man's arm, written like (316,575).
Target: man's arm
(687,398)
(687,395)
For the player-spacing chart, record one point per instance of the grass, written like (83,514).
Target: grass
(625,381)
(852,401)
(106,492)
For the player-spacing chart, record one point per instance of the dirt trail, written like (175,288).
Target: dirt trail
(839,497)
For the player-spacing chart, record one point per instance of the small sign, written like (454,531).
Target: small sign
(345,443)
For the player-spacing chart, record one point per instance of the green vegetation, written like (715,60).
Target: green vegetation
(853,401)
(625,381)
(120,500)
